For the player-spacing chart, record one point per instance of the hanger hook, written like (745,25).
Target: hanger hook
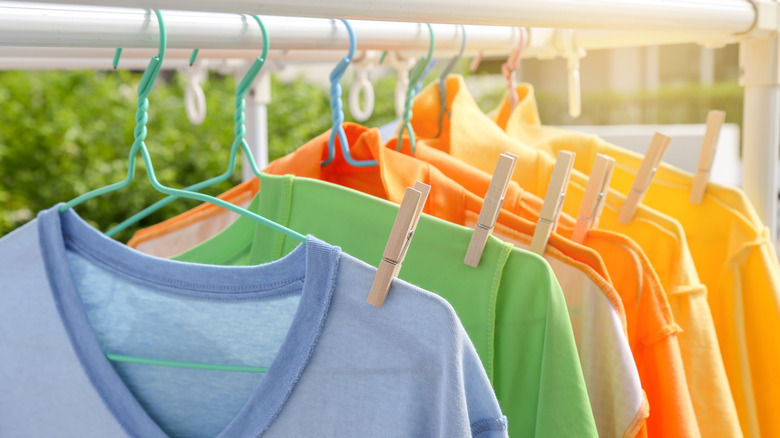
(416,75)
(141,118)
(403,67)
(337,109)
(163,41)
(194,97)
(363,85)
(147,80)
(243,87)
(509,68)
(443,81)
(240,131)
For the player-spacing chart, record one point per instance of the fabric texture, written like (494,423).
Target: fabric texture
(614,389)
(510,285)
(730,250)
(336,356)
(588,297)
(472,137)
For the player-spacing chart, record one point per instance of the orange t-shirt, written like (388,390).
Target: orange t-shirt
(652,334)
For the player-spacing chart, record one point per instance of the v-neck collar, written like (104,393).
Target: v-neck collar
(313,261)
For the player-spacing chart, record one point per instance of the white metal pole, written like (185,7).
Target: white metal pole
(723,15)
(257,101)
(542,43)
(760,76)
(79,26)
(706,65)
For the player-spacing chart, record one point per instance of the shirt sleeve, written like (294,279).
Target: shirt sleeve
(538,376)
(484,413)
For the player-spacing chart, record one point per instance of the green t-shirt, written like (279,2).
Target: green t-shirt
(511,305)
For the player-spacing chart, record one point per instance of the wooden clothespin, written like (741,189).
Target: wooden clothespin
(398,242)
(715,121)
(424,189)
(655,152)
(494,199)
(595,197)
(553,201)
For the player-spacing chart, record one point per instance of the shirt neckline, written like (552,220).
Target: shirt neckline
(314,262)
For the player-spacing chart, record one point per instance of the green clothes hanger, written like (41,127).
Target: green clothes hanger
(240,140)
(144,88)
(414,77)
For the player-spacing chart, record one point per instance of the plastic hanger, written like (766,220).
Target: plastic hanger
(715,121)
(240,140)
(403,66)
(194,97)
(362,84)
(414,77)
(338,111)
(428,68)
(144,88)
(509,68)
(443,82)
(553,202)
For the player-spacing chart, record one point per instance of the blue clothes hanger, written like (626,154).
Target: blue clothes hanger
(141,117)
(240,137)
(428,68)
(415,76)
(337,109)
(443,82)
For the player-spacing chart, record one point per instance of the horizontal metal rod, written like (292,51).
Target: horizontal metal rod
(28,24)
(726,16)
(313,56)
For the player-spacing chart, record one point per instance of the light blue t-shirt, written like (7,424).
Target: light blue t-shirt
(335,365)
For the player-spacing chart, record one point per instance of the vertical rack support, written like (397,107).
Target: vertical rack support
(759,61)
(257,101)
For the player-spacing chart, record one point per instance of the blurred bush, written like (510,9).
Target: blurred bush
(667,105)
(65,133)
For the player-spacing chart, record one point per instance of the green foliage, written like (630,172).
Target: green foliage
(65,133)
(667,105)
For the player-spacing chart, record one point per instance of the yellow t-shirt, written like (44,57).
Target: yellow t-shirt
(733,255)
(471,136)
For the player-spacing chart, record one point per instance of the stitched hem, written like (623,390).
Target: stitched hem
(690,289)
(668,330)
(639,420)
(489,425)
(506,250)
